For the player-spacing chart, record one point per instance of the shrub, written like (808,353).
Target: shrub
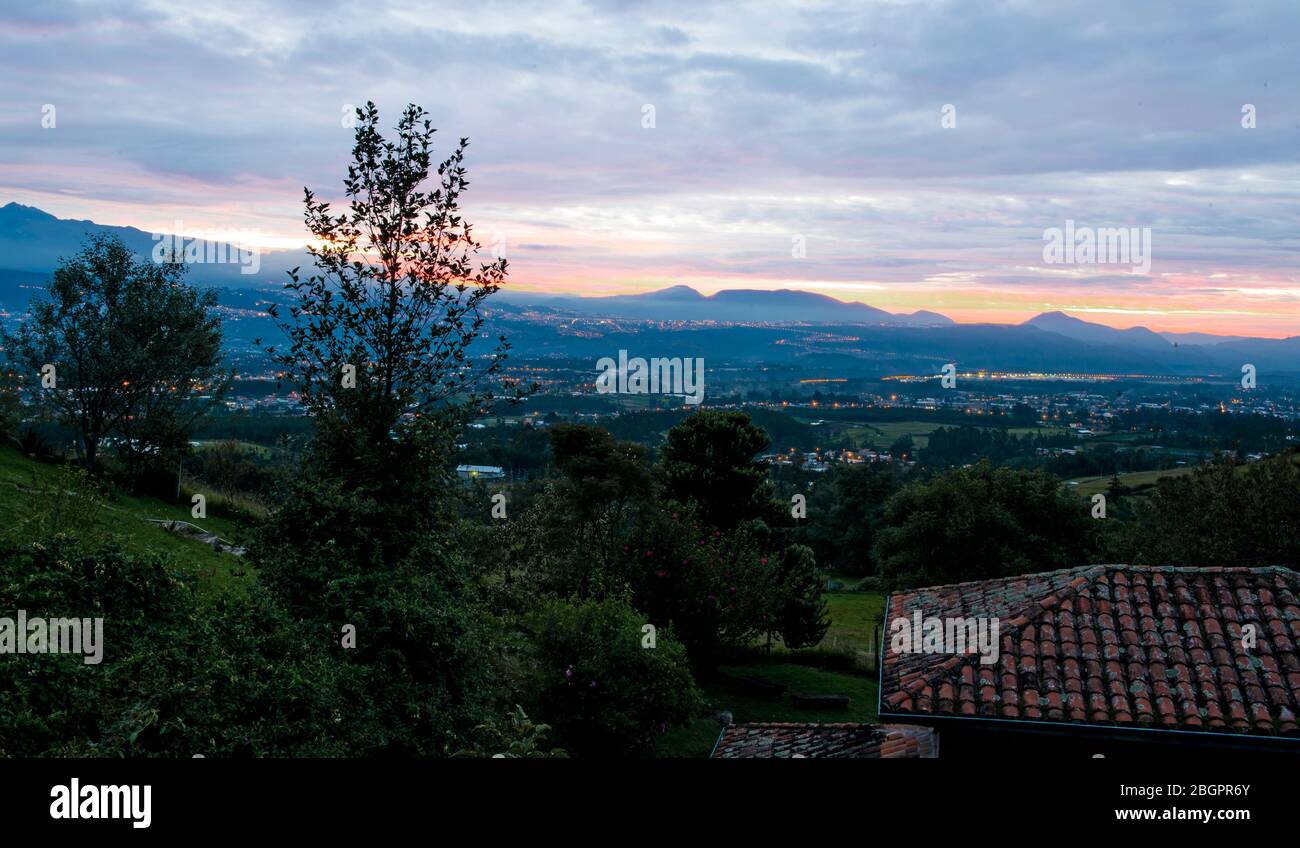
(178,676)
(603,692)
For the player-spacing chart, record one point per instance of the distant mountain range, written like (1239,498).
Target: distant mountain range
(683,303)
(33,241)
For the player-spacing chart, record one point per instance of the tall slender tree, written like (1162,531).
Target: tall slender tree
(384,336)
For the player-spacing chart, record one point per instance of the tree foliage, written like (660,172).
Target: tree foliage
(132,346)
(382,334)
(981,522)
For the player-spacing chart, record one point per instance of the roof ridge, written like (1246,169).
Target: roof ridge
(1120,566)
(950,669)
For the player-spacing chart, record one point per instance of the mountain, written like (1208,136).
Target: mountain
(683,303)
(32,240)
(845,338)
(1200,338)
(1097,334)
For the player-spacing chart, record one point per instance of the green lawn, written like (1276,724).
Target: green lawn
(31,489)
(729,694)
(854,616)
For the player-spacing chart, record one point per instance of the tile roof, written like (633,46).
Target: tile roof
(1113,644)
(861,741)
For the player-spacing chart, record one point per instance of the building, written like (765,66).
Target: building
(1116,660)
(784,740)
(480,472)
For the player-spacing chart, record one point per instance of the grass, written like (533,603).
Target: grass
(854,616)
(1089,486)
(881,435)
(693,741)
(30,489)
(730,694)
(261,451)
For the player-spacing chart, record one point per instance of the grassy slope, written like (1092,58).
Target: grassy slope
(1089,486)
(27,485)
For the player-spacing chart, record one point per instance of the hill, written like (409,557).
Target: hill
(32,491)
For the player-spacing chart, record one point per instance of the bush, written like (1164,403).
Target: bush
(603,692)
(716,588)
(335,559)
(178,676)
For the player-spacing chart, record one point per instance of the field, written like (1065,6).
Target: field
(31,491)
(1089,486)
(261,451)
(880,435)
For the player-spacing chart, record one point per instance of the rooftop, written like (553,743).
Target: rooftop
(1117,645)
(796,741)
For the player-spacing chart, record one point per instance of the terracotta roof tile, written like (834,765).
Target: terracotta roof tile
(798,741)
(1114,644)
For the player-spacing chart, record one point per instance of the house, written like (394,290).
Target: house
(480,472)
(786,740)
(1116,660)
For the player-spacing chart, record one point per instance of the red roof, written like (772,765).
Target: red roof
(1113,644)
(862,741)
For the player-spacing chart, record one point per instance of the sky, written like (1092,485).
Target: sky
(910,155)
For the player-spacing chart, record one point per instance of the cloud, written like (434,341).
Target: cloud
(772,120)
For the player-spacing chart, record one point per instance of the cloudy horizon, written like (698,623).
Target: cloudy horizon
(799,146)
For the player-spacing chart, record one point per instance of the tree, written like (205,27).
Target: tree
(381,334)
(709,459)
(602,482)
(801,615)
(381,345)
(1225,514)
(982,522)
(845,512)
(11,404)
(903,447)
(132,346)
